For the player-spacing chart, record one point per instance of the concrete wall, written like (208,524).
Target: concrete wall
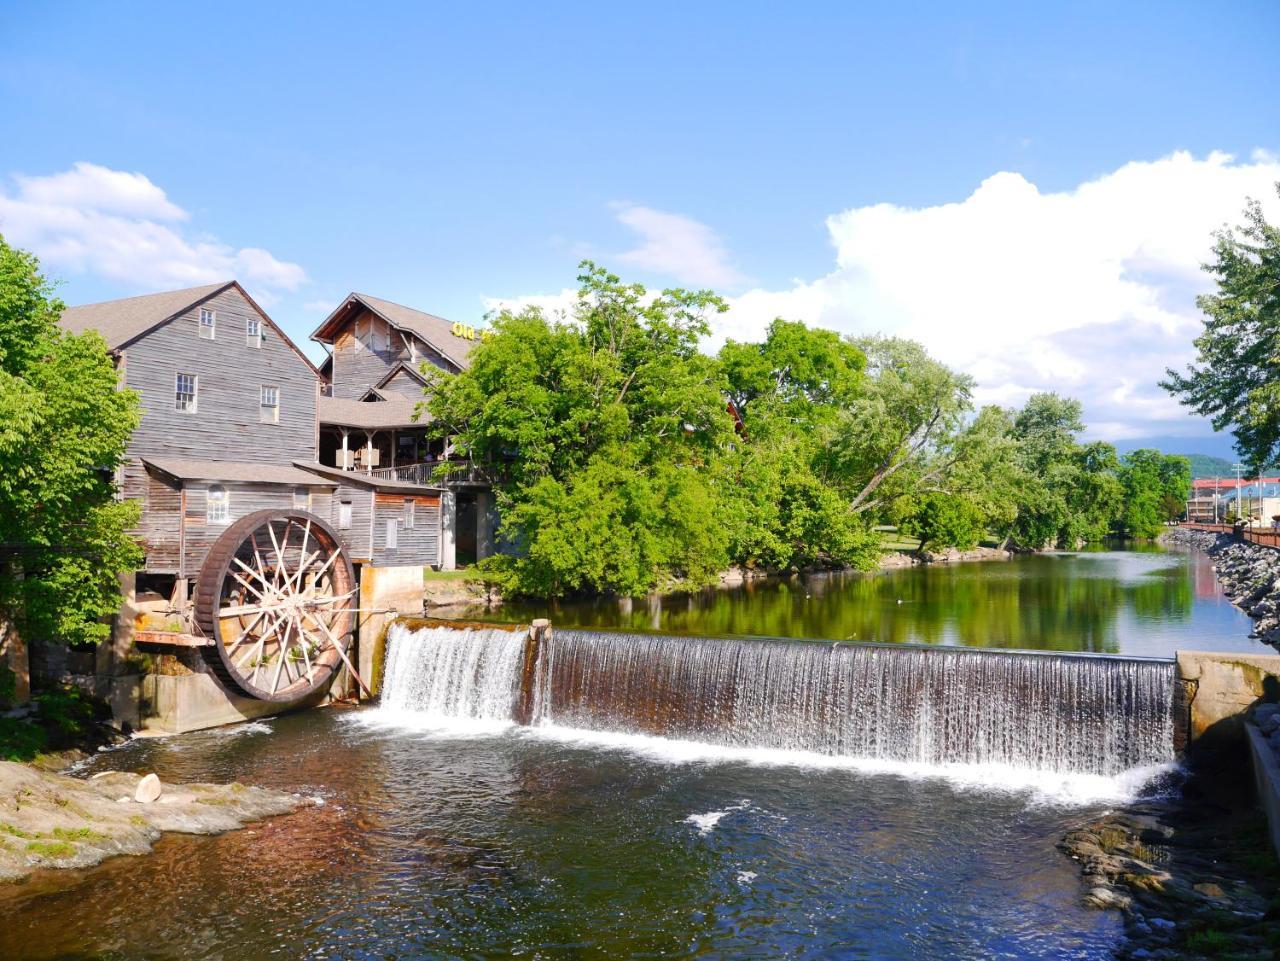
(1218,688)
(382,588)
(176,704)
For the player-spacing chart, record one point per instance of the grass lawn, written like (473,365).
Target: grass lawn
(461,574)
(892,540)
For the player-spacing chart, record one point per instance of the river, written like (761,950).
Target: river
(447,832)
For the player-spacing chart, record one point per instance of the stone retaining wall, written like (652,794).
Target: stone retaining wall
(1249,575)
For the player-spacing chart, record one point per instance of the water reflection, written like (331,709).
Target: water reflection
(1147,601)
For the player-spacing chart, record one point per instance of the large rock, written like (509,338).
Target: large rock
(52,820)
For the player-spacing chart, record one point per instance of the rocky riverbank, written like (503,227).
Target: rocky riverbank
(1249,575)
(50,820)
(1192,874)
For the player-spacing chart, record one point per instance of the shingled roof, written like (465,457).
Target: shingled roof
(121,321)
(436,331)
(395,411)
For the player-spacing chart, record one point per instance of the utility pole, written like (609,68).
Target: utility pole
(1239,469)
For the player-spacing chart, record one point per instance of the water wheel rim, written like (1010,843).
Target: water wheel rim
(276,597)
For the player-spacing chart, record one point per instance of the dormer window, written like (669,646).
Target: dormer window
(208,323)
(253,332)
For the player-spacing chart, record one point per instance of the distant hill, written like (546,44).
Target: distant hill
(1206,465)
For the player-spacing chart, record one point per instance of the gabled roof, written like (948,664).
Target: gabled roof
(395,411)
(436,331)
(184,469)
(121,322)
(408,369)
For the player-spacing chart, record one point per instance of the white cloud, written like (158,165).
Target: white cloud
(677,246)
(122,227)
(1089,292)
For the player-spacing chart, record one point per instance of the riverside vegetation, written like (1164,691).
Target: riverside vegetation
(624,459)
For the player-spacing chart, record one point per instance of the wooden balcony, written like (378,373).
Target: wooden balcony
(424,473)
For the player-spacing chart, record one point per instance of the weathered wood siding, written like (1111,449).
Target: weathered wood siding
(415,545)
(357,536)
(405,385)
(199,534)
(226,424)
(357,365)
(160,528)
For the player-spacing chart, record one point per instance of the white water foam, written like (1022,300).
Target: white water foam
(1054,730)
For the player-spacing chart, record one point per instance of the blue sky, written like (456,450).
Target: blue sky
(1025,189)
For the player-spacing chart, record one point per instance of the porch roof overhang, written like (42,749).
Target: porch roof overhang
(394,412)
(182,469)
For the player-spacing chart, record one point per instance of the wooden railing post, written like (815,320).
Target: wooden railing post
(539,635)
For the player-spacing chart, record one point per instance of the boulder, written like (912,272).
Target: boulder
(149,789)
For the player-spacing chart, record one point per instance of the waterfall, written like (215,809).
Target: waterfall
(445,673)
(1059,713)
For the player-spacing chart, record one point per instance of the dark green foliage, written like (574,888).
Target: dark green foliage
(64,427)
(63,718)
(1234,378)
(941,520)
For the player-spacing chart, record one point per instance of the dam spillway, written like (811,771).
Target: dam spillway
(1059,713)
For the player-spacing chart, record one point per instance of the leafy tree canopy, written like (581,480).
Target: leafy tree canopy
(64,428)
(1234,379)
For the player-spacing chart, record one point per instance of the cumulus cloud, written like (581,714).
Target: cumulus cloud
(1088,291)
(122,226)
(677,246)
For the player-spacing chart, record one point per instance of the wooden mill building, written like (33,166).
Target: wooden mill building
(235,418)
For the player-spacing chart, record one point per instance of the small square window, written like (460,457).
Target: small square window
(269,405)
(393,529)
(208,323)
(217,505)
(301,499)
(409,510)
(344,515)
(185,393)
(253,332)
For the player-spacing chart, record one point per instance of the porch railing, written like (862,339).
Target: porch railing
(424,473)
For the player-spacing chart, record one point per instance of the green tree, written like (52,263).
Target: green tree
(603,435)
(1235,378)
(895,436)
(64,428)
(1155,486)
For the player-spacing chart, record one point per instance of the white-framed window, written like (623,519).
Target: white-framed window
(208,323)
(301,499)
(253,332)
(217,504)
(409,509)
(186,392)
(344,515)
(393,531)
(269,405)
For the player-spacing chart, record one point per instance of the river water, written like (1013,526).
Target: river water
(447,832)
(1146,602)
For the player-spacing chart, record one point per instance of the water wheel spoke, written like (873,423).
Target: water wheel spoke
(277,591)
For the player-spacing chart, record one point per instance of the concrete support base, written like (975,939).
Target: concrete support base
(1219,688)
(176,704)
(383,588)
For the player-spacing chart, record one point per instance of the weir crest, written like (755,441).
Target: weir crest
(1066,714)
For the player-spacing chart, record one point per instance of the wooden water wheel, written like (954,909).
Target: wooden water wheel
(276,599)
